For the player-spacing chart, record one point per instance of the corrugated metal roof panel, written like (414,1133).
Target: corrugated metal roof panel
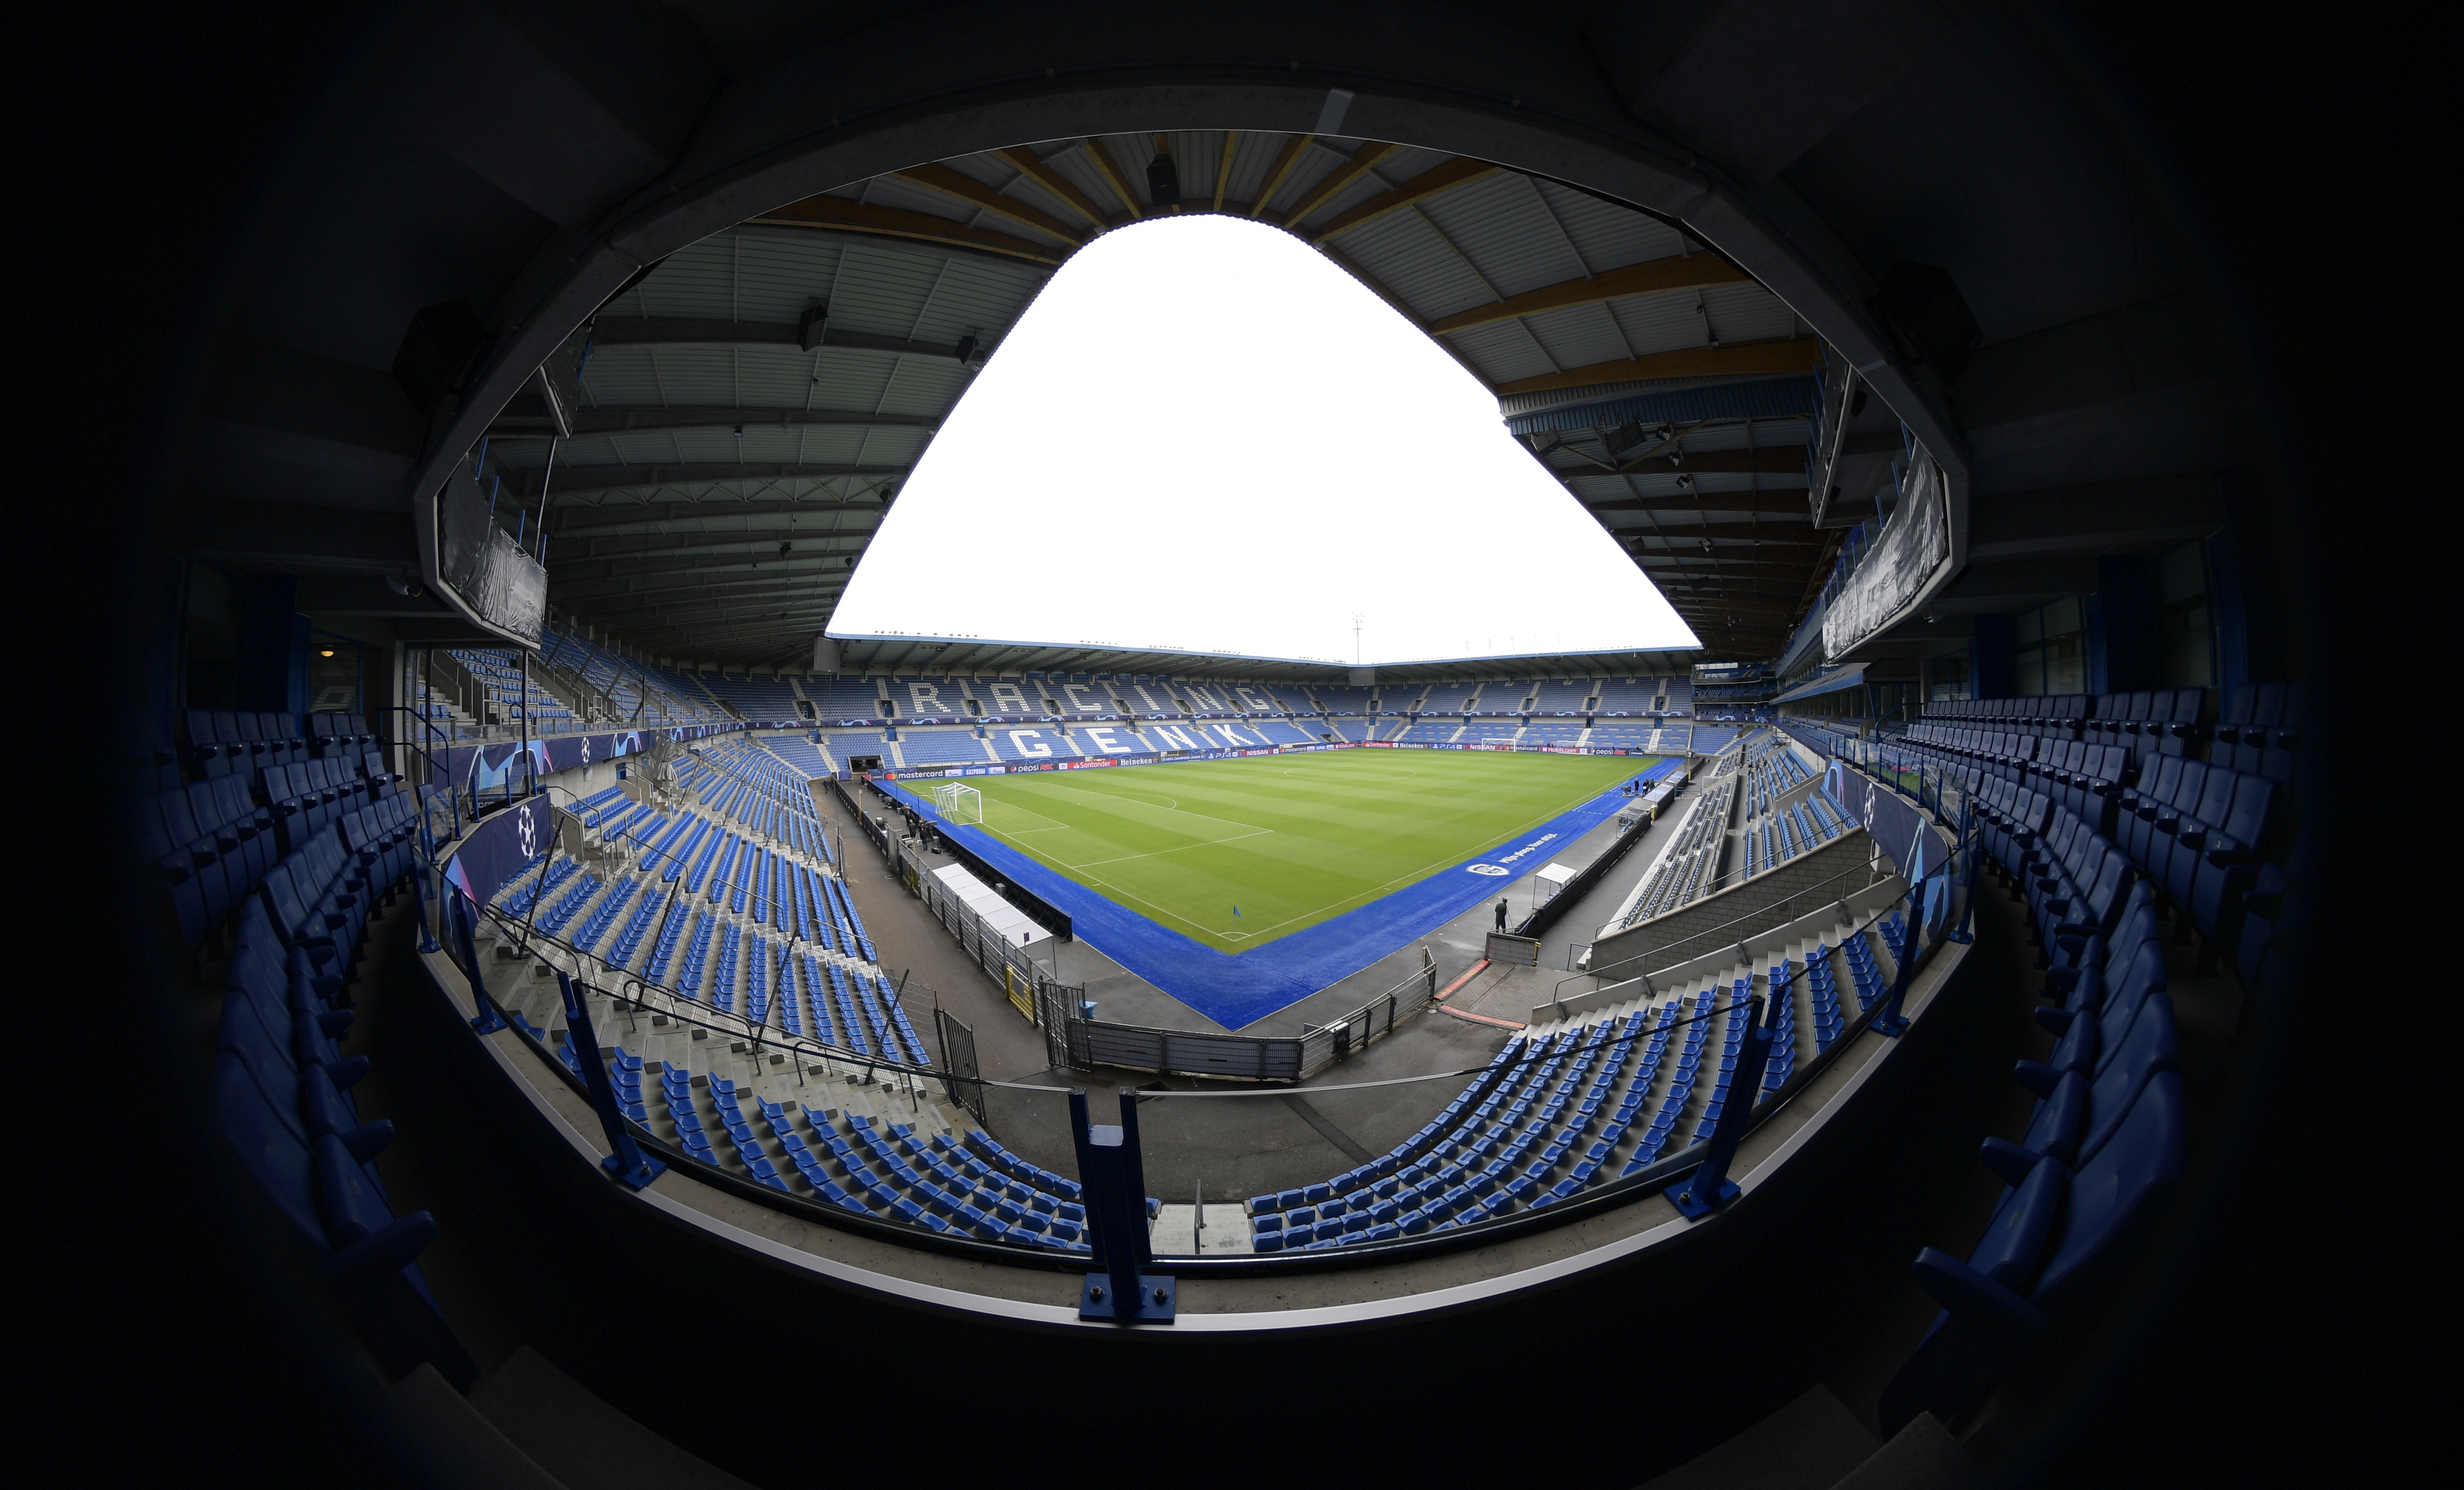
(909,197)
(781,278)
(1607,236)
(923,387)
(975,295)
(1504,352)
(833,444)
(894,446)
(1497,225)
(697,375)
(1661,323)
(1251,157)
(847,380)
(1747,313)
(773,377)
(647,447)
(621,375)
(695,280)
(707,445)
(1579,336)
(1071,165)
(881,292)
(1400,252)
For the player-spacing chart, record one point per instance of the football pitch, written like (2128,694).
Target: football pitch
(1236,853)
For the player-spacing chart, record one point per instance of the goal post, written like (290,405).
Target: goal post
(959,803)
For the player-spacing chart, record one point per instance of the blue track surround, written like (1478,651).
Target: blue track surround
(1238,989)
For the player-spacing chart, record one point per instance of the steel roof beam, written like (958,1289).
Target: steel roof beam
(933,176)
(617,331)
(1284,160)
(1036,169)
(1771,460)
(1777,356)
(1438,180)
(898,222)
(1111,170)
(1652,277)
(646,418)
(576,480)
(1781,504)
(1679,530)
(1362,161)
(652,517)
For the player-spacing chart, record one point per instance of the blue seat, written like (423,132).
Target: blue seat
(2076,1119)
(2053,1246)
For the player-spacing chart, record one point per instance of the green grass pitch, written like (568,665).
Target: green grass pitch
(1291,840)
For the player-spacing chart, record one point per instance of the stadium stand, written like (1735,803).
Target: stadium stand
(1567,1106)
(1768,303)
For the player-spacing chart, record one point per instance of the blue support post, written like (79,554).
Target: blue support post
(1888,1020)
(427,891)
(460,912)
(1115,1184)
(1709,1188)
(628,1164)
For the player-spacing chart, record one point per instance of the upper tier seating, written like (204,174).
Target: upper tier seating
(764,700)
(941,747)
(1563,697)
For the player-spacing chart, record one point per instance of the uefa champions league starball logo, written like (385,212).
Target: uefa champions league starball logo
(529,832)
(585,750)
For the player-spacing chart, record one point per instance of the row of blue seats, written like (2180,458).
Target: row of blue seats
(861,1166)
(2103,1152)
(209,843)
(282,1104)
(305,796)
(2173,714)
(869,1019)
(2195,832)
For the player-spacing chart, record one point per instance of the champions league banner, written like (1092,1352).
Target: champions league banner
(1915,845)
(484,768)
(500,848)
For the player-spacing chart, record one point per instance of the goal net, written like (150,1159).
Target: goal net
(959,803)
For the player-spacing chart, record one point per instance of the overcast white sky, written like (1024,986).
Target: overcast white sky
(1204,436)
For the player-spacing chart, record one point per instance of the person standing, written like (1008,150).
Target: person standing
(1501,912)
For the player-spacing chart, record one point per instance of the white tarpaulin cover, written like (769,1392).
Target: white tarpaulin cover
(1005,918)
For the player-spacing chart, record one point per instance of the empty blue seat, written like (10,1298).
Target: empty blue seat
(2055,1244)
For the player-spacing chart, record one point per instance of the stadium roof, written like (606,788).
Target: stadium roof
(752,403)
